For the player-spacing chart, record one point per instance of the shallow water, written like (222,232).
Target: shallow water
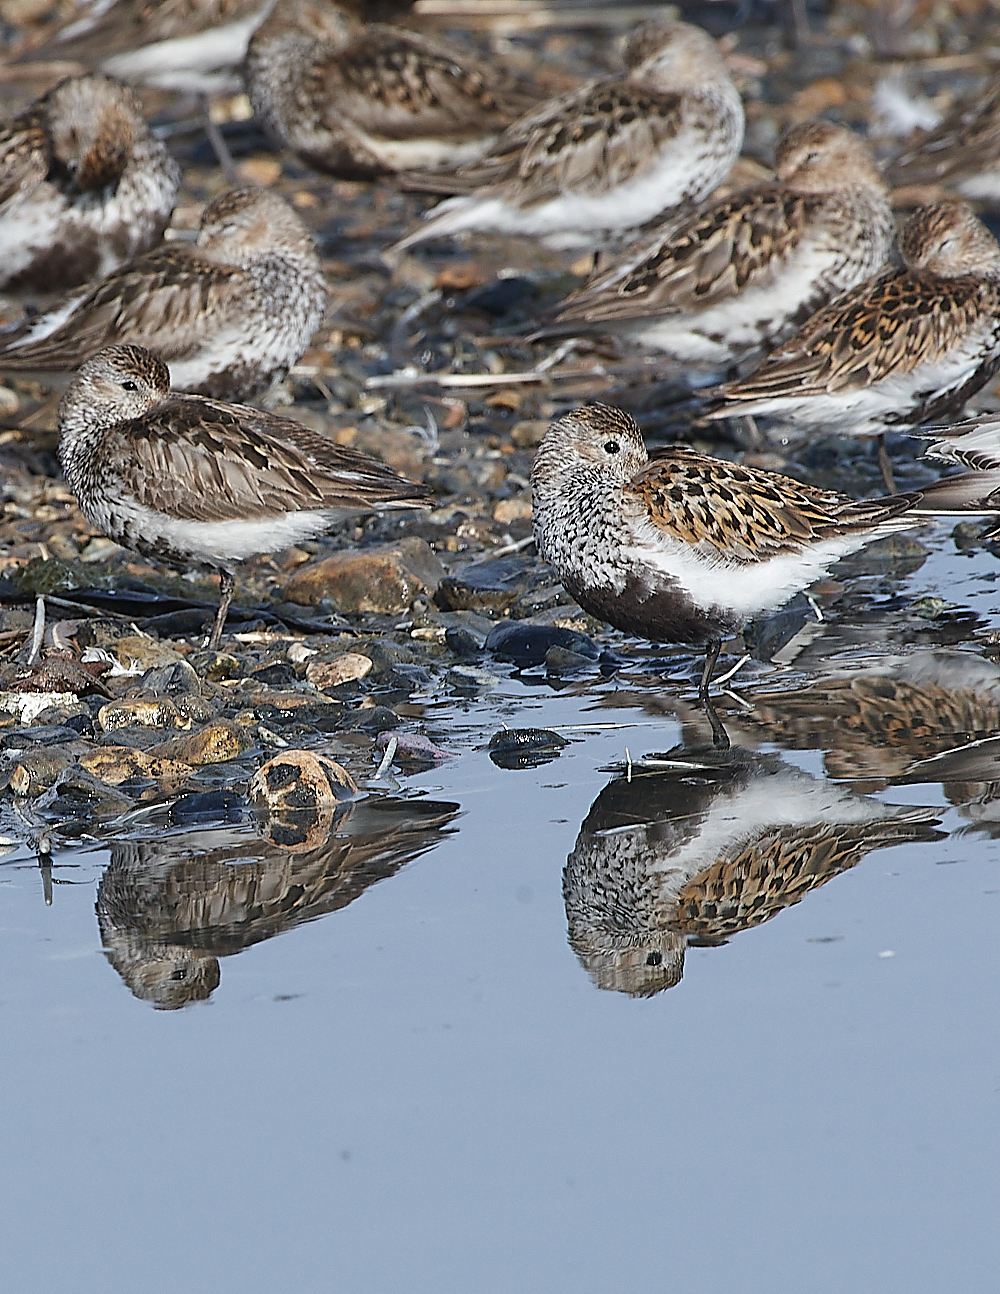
(409,1080)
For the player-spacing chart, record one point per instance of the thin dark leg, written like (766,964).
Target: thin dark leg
(45,867)
(720,738)
(885,467)
(227,586)
(711,657)
(219,148)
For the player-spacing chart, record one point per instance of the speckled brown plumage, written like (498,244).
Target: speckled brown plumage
(360,101)
(744,513)
(83,185)
(229,314)
(796,244)
(906,347)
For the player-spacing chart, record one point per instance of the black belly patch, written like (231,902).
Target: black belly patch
(662,613)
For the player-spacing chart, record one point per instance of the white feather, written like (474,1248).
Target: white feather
(744,589)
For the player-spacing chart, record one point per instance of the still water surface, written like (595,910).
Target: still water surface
(426,1090)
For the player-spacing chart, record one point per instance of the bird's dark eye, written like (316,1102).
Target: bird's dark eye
(611,447)
(654,959)
(129,386)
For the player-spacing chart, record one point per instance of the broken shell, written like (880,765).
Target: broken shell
(301,779)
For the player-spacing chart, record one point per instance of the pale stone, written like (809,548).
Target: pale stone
(342,669)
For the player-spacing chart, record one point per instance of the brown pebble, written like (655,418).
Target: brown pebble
(216,744)
(384,579)
(116,764)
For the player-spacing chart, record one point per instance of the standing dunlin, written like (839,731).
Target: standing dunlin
(611,155)
(198,482)
(689,549)
(229,314)
(739,276)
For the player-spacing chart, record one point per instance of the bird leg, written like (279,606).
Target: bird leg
(711,657)
(720,738)
(222,153)
(227,586)
(885,466)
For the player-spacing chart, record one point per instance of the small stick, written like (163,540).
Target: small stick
(512,548)
(38,632)
(387,758)
(413,377)
(724,678)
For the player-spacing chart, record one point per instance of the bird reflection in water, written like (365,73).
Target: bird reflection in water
(170,907)
(931,716)
(696,845)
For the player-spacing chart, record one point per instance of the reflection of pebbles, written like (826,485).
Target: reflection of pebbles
(710,845)
(168,908)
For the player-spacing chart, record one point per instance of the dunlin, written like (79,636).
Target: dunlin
(963,152)
(699,845)
(198,482)
(229,314)
(611,155)
(906,347)
(739,276)
(183,45)
(362,100)
(689,549)
(83,186)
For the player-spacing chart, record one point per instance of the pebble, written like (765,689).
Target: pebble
(342,669)
(140,712)
(413,745)
(527,644)
(78,794)
(37,770)
(137,650)
(29,705)
(384,578)
(218,743)
(525,747)
(117,764)
(493,585)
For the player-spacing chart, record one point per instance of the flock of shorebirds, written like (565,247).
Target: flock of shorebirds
(792,299)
